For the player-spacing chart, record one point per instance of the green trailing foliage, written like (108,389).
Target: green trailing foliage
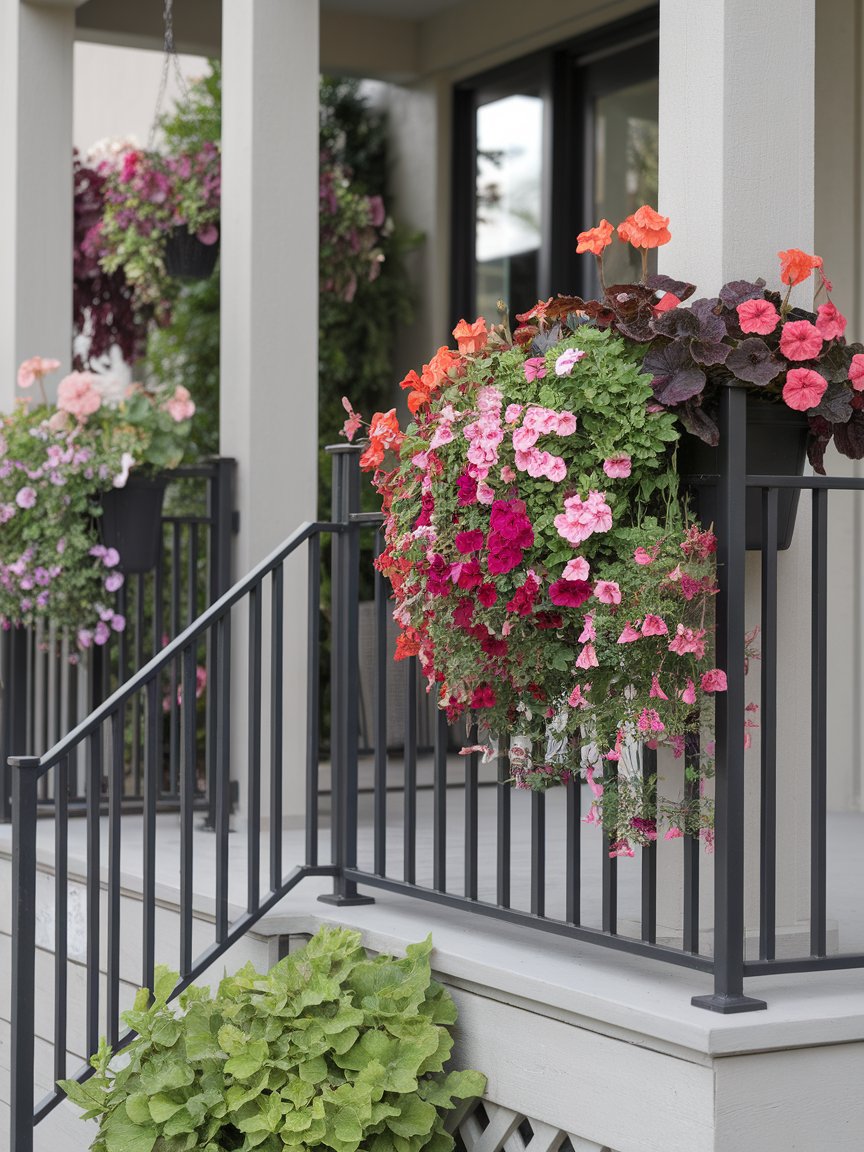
(330,1049)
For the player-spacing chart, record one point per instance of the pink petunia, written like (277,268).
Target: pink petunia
(856,372)
(641,556)
(565,362)
(181,406)
(25,497)
(758,316)
(535,369)
(804,388)
(629,635)
(654,625)
(607,592)
(507,474)
(714,680)
(588,634)
(581,519)
(577,699)
(566,423)
(617,467)
(556,469)
(656,690)
(689,693)
(800,340)
(830,321)
(673,834)
(576,569)
(587,658)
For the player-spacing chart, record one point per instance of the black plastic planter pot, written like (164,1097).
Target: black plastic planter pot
(776,446)
(131,522)
(186,258)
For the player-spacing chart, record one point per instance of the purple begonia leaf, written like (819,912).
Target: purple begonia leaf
(706,306)
(543,341)
(676,377)
(600,313)
(677,323)
(561,305)
(849,437)
(709,351)
(753,362)
(679,288)
(820,437)
(637,327)
(836,404)
(737,291)
(834,364)
(698,423)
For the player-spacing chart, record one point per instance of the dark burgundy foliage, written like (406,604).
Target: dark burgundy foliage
(101,302)
(753,362)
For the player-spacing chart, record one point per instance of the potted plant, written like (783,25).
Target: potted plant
(330,1049)
(57,464)
(161,218)
(545,566)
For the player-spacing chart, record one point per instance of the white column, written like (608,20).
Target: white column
(269,317)
(737,180)
(36,49)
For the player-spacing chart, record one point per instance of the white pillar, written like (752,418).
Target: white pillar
(737,119)
(36,49)
(269,316)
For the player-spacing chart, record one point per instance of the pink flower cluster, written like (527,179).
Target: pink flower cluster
(485,433)
(581,518)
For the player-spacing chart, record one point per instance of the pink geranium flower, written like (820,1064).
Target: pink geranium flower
(804,388)
(643,557)
(566,423)
(856,372)
(607,592)
(535,369)
(77,395)
(800,340)
(759,316)
(617,467)
(34,368)
(714,680)
(830,322)
(181,406)
(25,497)
(513,411)
(580,519)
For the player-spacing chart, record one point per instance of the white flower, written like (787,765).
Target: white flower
(126,462)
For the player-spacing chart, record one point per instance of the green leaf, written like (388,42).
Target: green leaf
(248,1062)
(162,1108)
(416,1117)
(122,1134)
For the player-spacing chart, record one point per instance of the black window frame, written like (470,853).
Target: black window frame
(569,76)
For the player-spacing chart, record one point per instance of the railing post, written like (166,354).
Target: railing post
(221,514)
(344,670)
(13,712)
(728,995)
(24,785)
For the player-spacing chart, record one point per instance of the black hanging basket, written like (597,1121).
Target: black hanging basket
(186,258)
(776,446)
(131,522)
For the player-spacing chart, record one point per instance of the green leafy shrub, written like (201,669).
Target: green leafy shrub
(329,1049)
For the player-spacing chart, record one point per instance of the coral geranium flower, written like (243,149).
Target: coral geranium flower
(595,239)
(800,340)
(645,228)
(856,372)
(471,338)
(804,388)
(796,265)
(384,433)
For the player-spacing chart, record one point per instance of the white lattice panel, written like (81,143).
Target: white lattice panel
(488,1127)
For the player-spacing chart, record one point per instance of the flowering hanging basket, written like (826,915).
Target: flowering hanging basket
(131,522)
(187,257)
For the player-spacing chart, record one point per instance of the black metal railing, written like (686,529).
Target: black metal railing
(432,826)
(47,686)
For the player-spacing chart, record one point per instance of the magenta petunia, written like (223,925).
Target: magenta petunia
(487,594)
(800,340)
(804,388)
(758,316)
(569,593)
(467,542)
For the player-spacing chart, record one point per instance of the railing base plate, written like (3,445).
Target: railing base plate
(345,901)
(728,1004)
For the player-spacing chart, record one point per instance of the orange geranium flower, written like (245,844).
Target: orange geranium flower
(796,266)
(595,239)
(407,644)
(471,338)
(645,228)
(384,433)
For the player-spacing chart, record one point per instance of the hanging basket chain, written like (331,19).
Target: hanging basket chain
(170,61)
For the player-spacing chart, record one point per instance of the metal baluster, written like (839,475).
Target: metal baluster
(115,811)
(187,807)
(573,878)
(380,720)
(502,854)
(253,861)
(649,854)
(61,913)
(313,703)
(538,853)
(439,792)
(692,845)
(471,818)
(410,757)
(94,884)
(768,722)
(151,787)
(819,722)
(223,765)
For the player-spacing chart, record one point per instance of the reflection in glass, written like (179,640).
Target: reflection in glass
(509,203)
(625,169)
